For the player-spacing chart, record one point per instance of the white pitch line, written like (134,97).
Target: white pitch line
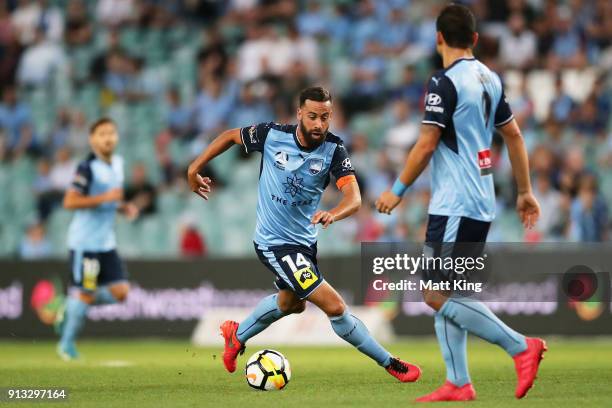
(116,363)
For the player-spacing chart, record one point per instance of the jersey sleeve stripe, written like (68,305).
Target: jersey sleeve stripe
(246,150)
(432,122)
(505,121)
(344,180)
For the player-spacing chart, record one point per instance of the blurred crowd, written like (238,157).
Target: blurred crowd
(198,67)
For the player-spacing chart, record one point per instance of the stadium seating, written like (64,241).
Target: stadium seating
(170,57)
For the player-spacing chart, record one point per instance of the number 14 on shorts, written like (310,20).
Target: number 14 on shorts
(301,269)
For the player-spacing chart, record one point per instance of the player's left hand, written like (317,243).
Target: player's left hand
(130,211)
(528,209)
(387,202)
(323,217)
(200,185)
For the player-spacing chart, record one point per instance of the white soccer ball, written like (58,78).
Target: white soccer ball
(268,370)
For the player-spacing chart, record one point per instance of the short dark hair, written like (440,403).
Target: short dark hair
(98,123)
(457,25)
(314,93)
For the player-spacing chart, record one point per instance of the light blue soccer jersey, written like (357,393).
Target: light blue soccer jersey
(291,181)
(92,229)
(466,101)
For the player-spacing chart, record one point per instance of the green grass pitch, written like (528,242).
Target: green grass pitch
(151,373)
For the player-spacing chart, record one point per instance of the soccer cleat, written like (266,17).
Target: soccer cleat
(233,347)
(450,392)
(527,364)
(67,352)
(403,371)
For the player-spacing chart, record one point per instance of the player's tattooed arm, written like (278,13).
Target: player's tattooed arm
(417,161)
(75,200)
(202,185)
(527,205)
(349,205)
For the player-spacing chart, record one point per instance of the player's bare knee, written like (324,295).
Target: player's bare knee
(287,302)
(335,309)
(433,299)
(121,296)
(87,297)
(120,291)
(291,307)
(285,305)
(299,307)
(285,308)
(435,304)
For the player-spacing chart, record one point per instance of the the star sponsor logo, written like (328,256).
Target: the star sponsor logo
(293,185)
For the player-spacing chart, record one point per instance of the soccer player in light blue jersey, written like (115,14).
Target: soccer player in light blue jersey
(297,163)
(96,195)
(464,103)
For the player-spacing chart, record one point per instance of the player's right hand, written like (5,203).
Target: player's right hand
(387,202)
(528,209)
(323,217)
(200,185)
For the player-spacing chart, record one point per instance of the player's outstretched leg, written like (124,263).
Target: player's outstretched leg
(69,324)
(453,344)
(352,330)
(269,310)
(72,318)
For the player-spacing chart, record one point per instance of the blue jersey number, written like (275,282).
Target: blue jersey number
(486,106)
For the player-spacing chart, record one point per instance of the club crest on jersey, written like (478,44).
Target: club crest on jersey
(281,159)
(315,167)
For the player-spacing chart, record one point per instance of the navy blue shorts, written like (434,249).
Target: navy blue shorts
(453,237)
(295,267)
(93,269)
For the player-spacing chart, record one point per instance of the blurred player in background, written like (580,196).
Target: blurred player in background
(96,194)
(464,102)
(296,166)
